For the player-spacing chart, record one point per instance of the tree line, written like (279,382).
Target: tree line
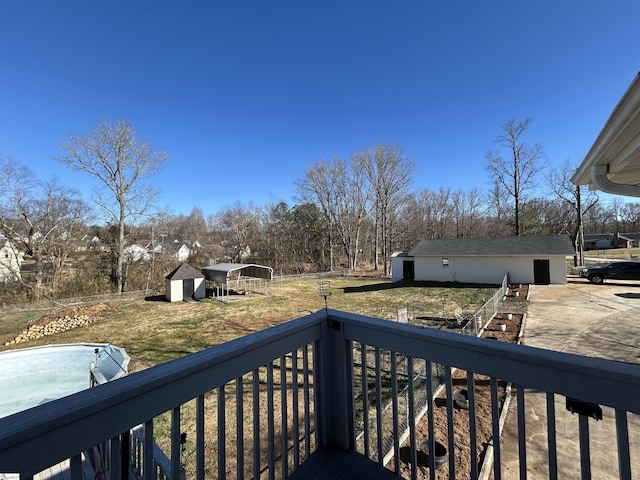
(349,214)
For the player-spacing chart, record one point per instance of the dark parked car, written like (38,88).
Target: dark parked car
(612,270)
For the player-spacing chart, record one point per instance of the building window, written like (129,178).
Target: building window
(445,262)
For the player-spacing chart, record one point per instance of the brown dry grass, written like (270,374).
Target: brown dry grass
(154,331)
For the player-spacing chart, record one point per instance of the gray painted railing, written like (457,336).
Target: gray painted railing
(262,404)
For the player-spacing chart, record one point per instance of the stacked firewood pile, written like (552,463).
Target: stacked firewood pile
(61,321)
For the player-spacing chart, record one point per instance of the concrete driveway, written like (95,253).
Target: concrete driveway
(594,320)
(582,318)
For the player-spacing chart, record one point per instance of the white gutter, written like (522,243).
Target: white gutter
(619,125)
(600,181)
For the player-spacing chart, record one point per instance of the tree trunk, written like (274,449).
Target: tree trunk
(120,250)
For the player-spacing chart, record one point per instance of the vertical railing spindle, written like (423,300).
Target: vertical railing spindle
(316,377)
(295,409)
(75,465)
(450,443)
(307,405)
(379,406)
(365,398)
(585,450)
(239,429)
(522,434)
(256,423)
(222,437)
(411,416)
(551,437)
(284,437)
(495,434)
(175,443)
(147,460)
(429,377)
(473,439)
(622,436)
(116,461)
(271,460)
(394,409)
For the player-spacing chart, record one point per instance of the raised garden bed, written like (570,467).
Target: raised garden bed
(516,306)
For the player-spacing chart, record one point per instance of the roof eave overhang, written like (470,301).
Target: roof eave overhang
(612,164)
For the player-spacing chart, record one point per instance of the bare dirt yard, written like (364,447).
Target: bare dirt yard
(517,306)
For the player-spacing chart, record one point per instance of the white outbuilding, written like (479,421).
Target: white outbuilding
(527,259)
(184,283)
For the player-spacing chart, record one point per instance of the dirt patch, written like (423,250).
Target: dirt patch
(511,315)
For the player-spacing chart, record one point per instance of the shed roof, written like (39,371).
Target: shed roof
(496,246)
(184,272)
(220,272)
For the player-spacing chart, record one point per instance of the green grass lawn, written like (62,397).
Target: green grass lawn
(155,331)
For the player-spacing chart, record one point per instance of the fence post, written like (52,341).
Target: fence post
(336,420)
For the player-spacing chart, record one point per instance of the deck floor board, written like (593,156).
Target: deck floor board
(325,464)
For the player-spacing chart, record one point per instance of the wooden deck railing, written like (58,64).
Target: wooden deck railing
(259,406)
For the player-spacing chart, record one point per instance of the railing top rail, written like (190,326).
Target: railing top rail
(95,415)
(590,379)
(117,406)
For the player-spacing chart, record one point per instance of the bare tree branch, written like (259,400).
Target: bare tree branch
(113,154)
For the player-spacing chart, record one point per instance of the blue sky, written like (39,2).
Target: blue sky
(244,95)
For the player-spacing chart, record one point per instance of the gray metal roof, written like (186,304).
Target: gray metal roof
(220,272)
(496,246)
(184,272)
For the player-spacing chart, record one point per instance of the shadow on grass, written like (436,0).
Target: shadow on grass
(155,298)
(376,287)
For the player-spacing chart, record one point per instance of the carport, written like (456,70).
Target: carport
(239,277)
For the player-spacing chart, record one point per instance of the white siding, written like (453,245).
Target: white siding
(174,290)
(487,269)
(396,268)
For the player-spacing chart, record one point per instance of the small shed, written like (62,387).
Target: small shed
(184,283)
(238,276)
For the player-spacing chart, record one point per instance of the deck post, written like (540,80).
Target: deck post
(335,408)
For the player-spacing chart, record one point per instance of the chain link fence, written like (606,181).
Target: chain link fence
(467,324)
(66,302)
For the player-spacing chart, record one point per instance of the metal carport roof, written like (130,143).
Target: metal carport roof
(221,271)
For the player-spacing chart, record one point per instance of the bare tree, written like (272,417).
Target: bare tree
(238,226)
(196,226)
(113,154)
(41,219)
(353,194)
(498,208)
(343,193)
(318,186)
(578,197)
(630,217)
(430,214)
(517,172)
(390,174)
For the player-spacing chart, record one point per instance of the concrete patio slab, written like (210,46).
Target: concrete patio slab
(582,318)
